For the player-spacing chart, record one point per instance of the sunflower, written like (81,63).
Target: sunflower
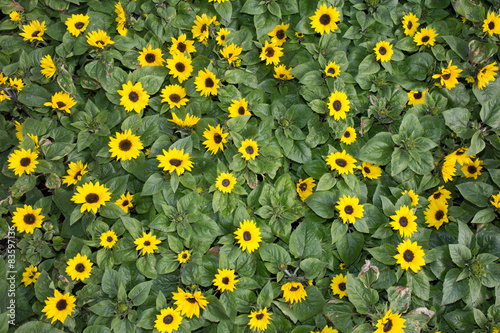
(147,243)
(180,67)
(281,73)
(99,39)
(59,307)
(48,66)
(410,255)
(175,160)
(3,79)
(215,139)
(33,31)
(249,149)
(305,188)
(278,36)
(30,275)
(425,37)
(77,24)
(470,79)
(410,24)
(206,83)
(225,280)
(259,320)
(23,161)
(27,219)
(293,292)
(75,173)
(168,320)
(150,57)
(121,19)
(225,182)
(416,97)
(238,108)
(390,323)
(404,221)
(413,196)
(188,121)
(16,83)
(61,101)
(383,51)
(271,53)
(496,200)
(125,146)
(174,95)
(338,104)
(79,267)
(231,53)
(448,76)
(436,214)
(201,27)
(183,256)
(342,162)
(189,303)
(448,170)
(473,169)
(349,136)
(338,285)
(325,19)
(349,209)
(34,138)
(460,155)
(3,96)
(222,36)
(91,196)
(332,69)
(108,239)
(125,202)
(133,97)
(328,329)
(248,236)
(486,74)
(182,45)
(441,194)
(492,24)
(14,16)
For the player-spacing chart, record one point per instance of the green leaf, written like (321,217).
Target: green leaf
(276,255)
(299,152)
(359,295)
(111,281)
(484,216)
(476,192)
(377,150)
(147,266)
(453,290)
(42,287)
(104,308)
(490,114)
(311,306)
(312,267)
(460,254)
(419,284)
(477,144)
(384,253)
(322,203)
(140,293)
(470,10)
(305,242)
(38,327)
(34,95)
(153,185)
(457,119)
(225,10)
(350,247)
(399,298)
(266,295)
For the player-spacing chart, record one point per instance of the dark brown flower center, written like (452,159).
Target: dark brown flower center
(491,25)
(150,58)
(60,105)
(342,286)
(259,316)
(100,42)
(382,50)
(348,209)
(25,161)
(175,98)
(61,305)
(35,33)
(403,221)
(180,67)
(92,198)
(78,175)
(222,37)
(225,182)
(191,300)
(437,195)
(417,95)
(269,52)
(425,39)
(472,169)
(294,288)
(282,75)
(29,219)
(410,25)
(181,47)
(408,256)
(331,70)
(133,96)
(125,203)
(80,268)
(337,105)
(184,256)
(247,236)
(460,152)
(241,110)
(341,162)
(209,83)
(280,34)
(325,19)
(366,169)
(225,280)
(347,134)
(79,25)
(217,138)
(203,28)
(446,76)
(168,319)
(388,325)
(249,150)
(147,243)
(303,186)
(175,162)
(439,215)
(109,239)
(125,145)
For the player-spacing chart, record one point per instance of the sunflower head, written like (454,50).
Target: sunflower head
(248,236)
(23,161)
(278,35)
(249,149)
(189,303)
(383,51)
(15,16)
(225,182)
(215,139)
(189,120)
(168,320)
(496,200)
(293,292)
(77,23)
(27,219)
(342,162)
(182,45)
(305,188)
(30,275)
(338,104)
(206,83)
(390,323)
(79,267)
(486,74)
(108,239)
(175,160)
(150,57)
(33,31)
(147,243)
(271,53)
(416,97)
(133,97)
(125,146)
(410,24)
(410,255)
(183,256)
(225,280)
(349,209)
(75,173)
(222,36)
(48,66)
(404,221)
(61,101)
(60,306)
(425,36)
(282,73)
(231,53)
(238,108)
(180,66)
(125,202)
(332,69)
(349,136)
(91,196)
(259,320)
(338,285)
(492,24)
(99,39)
(325,19)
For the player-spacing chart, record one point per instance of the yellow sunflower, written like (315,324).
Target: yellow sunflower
(79,267)
(147,243)
(183,256)
(416,97)
(425,37)
(278,36)
(99,39)
(59,307)
(259,320)
(349,209)
(3,96)
(410,24)
(383,51)
(23,161)
(448,76)
(48,66)
(338,285)
(436,214)
(486,74)
(338,104)
(473,169)
(180,67)
(174,95)
(460,155)
(410,255)
(91,196)
(206,83)
(168,320)
(413,196)
(30,275)
(108,239)
(27,219)
(496,200)
(201,27)
(492,24)
(215,139)
(281,73)
(61,101)
(3,79)
(390,323)
(293,292)
(305,188)
(133,97)
(182,45)
(248,236)
(332,69)
(328,329)
(448,170)
(175,160)
(19,129)
(342,162)
(33,31)
(125,146)
(325,19)
(249,149)
(14,16)
(125,201)
(75,173)
(404,221)
(34,138)
(188,121)
(271,53)
(121,19)
(222,36)
(238,108)
(77,24)
(225,182)
(349,136)
(225,280)
(441,194)
(150,57)
(189,303)
(231,52)
(16,83)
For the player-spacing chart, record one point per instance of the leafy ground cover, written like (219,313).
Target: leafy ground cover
(245,165)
